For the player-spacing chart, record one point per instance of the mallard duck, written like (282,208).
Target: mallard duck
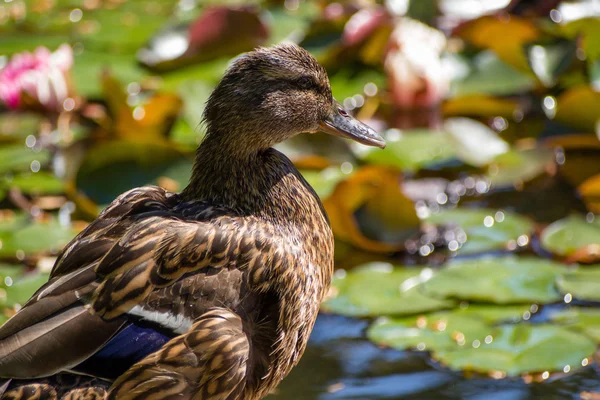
(210,293)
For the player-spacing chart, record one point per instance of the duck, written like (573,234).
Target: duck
(210,293)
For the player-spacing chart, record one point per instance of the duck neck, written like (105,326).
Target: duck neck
(236,176)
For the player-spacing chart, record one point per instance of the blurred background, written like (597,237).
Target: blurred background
(465,250)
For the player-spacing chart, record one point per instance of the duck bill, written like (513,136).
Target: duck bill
(340,123)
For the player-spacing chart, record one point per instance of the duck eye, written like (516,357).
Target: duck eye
(343,112)
(305,82)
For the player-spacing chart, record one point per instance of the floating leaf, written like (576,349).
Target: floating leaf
(18,233)
(581,319)
(590,191)
(325,181)
(579,107)
(502,280)
(505,36)
(479,105)
(514,167)
(486,229)
(411,150)
(474,142)
(521,348)
(548,62)
(16,157)
(23,288)
(492,76)
(573,234)
(381,289)
(147,122)
(443,330)
(217,32)
(370,211)
(36,183)
(112,168)
(582,283)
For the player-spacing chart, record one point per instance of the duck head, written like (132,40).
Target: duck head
(271,94)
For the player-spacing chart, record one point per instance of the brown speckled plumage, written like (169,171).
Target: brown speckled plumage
(234,267)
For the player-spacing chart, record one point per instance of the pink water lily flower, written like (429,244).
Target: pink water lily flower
(42,75)
(414,66)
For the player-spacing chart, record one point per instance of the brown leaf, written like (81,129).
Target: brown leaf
(375,191)
(590,191)
(480,106)
(506,35)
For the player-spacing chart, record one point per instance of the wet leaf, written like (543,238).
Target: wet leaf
(18,157)
(505,36)
(474,143)
(569,235)
(590,191)
(89,66)
(514,167)
(579,107)
(147,122)
(20,234)
(35,183)
(490,75)
(444,330)
(486,229)
(580,319)
(217,32)
(502,280)
(582,283)
(112,168)
(382,289)
(373,196)
(411,150)
(548,62)
(23,288)
(522,348)
(480,106)
(325,181)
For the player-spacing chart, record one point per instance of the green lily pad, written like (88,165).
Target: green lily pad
(382,289)
(517,167)
(443,330)
(324,181)
(585,320)
(522,348)
(490,75)
(564,237)
(474,143)
(502,280)
(486,229)
(21,234)
(18,157)
(112,168)
(582,283)
(22,289)
(411,150)
(36,183)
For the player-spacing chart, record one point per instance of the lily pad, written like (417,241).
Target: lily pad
(382,289)
(18,157)
(36,183)
(411,150)
(581,319)
(22,289)
(486,229)
(443,330)
(501,280)
(522,348)
(474,142)
(517,167)
(567,236)
(582,283)
(21,236)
